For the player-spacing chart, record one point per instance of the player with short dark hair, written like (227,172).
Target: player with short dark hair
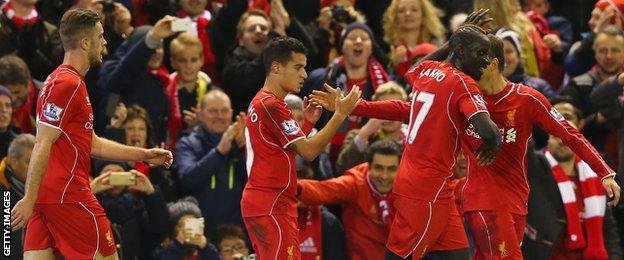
(445,100)
(495,197)
(61,211)
(273,137)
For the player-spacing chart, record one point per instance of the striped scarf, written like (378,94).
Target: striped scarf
(595,202)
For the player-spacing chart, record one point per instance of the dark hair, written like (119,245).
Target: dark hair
(385,147)
(280,49)
(75,24)
(13,70)
(497,51)
(568,100)
(464,35)
(229,231)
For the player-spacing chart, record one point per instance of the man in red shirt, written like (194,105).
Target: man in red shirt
(445,99)
(273,137)
(61,211)
(364,193)
(494,198)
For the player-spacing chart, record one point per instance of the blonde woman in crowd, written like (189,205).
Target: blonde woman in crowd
(409,26)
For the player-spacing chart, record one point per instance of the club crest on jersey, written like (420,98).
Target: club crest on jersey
(290,127)
(556,115)
(479,99)
(511,114)
(52,112)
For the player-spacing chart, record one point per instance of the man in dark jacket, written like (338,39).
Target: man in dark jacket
(609,49)
(210,163)
(15,76)
(548,223)
(22,32)
(12,179)
(137,75)
(138,213)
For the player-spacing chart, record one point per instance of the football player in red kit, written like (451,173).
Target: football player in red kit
(494,198)
(273,137)
(61,211)
(445,99)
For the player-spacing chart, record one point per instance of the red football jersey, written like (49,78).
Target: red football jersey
(503,185)
(443,100)
(272,169)
(64,104)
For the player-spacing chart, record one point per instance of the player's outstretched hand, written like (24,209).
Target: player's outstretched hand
(311,111)
(478,18)
(158,156)
(486,155)
(20,214)
(613,190)
(325,98)
(345,105)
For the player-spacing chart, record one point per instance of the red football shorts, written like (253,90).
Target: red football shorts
(497,235)
(420,227)
(274,237)
(76,230)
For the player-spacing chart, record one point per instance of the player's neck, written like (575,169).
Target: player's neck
(78,60)
(569,167)
(493,85)
(273,86)
(22,10)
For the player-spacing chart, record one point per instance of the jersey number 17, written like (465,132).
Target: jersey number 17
(426,99)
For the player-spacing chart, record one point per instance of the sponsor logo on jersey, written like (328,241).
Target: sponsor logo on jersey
(290,127)
(510,135)
(52,112)
(556,115)
(479,99)
(511,120)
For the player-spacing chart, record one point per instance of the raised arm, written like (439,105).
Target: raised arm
(549,119)
(312,147)
(395,110)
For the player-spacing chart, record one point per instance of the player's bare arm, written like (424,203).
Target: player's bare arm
(326,100)
(106,149)
(487,130)
(46,136)
(310,148)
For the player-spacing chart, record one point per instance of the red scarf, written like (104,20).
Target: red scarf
(376,73)
(385,213)
(310,234)
(203,21)
(162,74)
(22,116)
(31,19)
(174,126)
(595,203)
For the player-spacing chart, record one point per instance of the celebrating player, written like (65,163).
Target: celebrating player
(494,198)
(273,137)
(445,98)
(61,211)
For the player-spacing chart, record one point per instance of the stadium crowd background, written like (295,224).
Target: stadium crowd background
(184,94)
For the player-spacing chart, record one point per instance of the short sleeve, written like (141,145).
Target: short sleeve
(57,101)
(413,73)
(469,99)
(281,122)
